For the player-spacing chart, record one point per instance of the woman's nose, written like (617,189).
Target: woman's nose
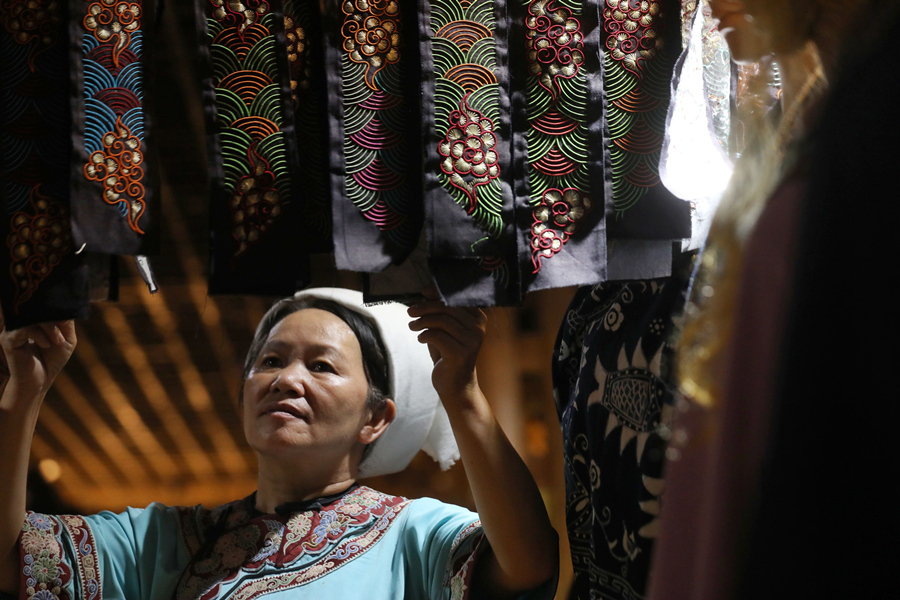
(291,381)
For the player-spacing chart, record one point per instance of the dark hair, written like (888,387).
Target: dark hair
(374,355)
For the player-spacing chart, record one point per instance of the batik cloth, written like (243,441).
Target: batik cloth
(41,278)
(613,400)
(360,542)
(257,241)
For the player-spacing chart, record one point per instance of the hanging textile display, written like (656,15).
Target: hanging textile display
(257,241)
(372,64)
(642,43)
(42,278)
(558,139)
(468,175)
(114,205)
(303,37)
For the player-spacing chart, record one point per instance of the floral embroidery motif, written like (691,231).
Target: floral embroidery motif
(466,108)
(31,22)
(637,70)
(118,168)
(557,138)
(255,203)
(239,14)
(114,115)
(305,545)
(464,550)
(38,240)
(249,117)
(469,151)
(46,573)
(555,220)
(298,57)
(86,557)
(553,43)
(112,20)
(371,34)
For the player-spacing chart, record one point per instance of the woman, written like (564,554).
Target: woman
(774,494)
(324,398)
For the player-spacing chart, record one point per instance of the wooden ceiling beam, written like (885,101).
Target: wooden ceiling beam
(74,447)
(120,404)
(185,438)
(116,451)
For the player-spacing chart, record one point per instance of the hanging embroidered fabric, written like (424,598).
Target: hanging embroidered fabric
(558,137)
(42,278)
(372,71)
(642,42)
(114,204)
(257,242)
(468,175)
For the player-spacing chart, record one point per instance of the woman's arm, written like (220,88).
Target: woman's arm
(524,544)
(27,369)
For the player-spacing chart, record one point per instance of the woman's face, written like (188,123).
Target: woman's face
(307,389)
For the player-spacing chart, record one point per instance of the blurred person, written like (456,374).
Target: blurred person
(332,390)
(783,438)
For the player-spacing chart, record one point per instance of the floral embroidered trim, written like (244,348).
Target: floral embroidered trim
(86,556)
(636,78)
(117,168)
(307,545)
(459,571)
(371,33)
(557,140)
(46,573)
(114,115)
(467,109)
(249,116)
(31,22)
(38,240)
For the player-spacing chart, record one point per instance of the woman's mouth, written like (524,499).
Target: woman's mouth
(285,410)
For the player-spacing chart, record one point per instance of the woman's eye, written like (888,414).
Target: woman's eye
(322,367)
(271,362)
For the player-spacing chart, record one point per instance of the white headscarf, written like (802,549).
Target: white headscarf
(421,422)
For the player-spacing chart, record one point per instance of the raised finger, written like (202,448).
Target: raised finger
(67,328)
(53,333)
(19,338)
(443,341)
(464,336)
(435,307)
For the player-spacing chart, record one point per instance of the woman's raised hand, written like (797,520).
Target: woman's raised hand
(32,357)
(454,337)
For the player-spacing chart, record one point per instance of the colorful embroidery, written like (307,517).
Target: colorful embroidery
(33,23)
(467,107)
(38,240)
(86,557)
(34,142)
(375,147)
(464,551)
(557,138)
(636,79)
(249,117)
(46,573)
(117,168)
(305,546)
(114,115)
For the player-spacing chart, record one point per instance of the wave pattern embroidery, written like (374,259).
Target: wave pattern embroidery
(249,117)
(374,144)
(557,137)
(114,116)
(637,85)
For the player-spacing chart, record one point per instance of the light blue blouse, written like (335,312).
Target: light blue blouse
(364,544)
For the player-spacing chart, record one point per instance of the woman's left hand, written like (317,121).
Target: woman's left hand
(454,337)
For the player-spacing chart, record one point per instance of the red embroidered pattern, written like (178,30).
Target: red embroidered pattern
(110,20)
(46,573)
(307,544)
(38,241)
(632,37)
(118,168)
(255,203)
(553,43)
(34,22)
(86,558)
(555,220)
(239,13)
(469,151)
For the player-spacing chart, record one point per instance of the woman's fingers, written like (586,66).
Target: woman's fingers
(54,335)
(470,318)
(67,328)
(443,341)
(21,337)
(463,335)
